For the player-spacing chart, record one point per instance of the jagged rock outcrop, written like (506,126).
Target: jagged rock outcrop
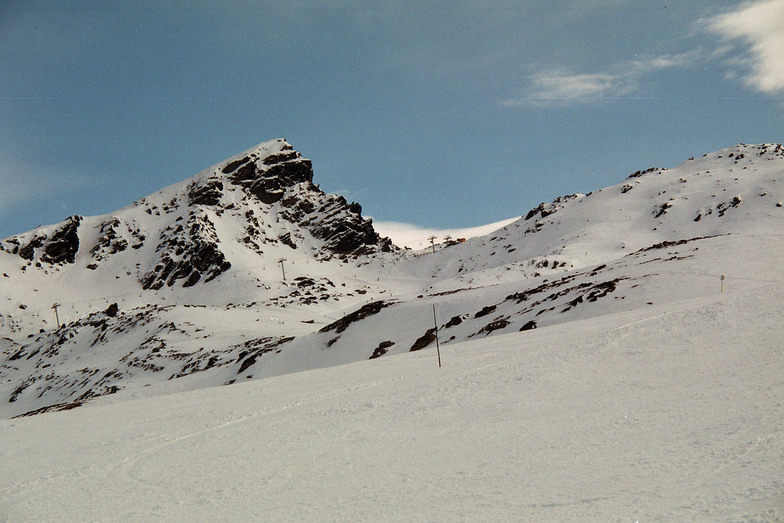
(286,178)
(59,246)
(267,178)
(187,252)
(208,192)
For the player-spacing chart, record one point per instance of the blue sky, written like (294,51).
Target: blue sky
(440,114)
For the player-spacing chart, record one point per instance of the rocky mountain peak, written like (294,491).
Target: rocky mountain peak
(187,233)
(263,172)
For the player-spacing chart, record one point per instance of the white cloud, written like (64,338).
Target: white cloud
(760,26)
(417,237)
(668,61)
(560,87)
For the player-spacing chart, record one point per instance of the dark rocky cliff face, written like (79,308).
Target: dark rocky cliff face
(190,252)
(344,229)
(287,178)
(268,178)
(58,247)
(187,252)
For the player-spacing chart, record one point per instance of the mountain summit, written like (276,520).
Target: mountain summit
(189,232)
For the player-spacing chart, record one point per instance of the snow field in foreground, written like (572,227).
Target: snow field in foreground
(667,413)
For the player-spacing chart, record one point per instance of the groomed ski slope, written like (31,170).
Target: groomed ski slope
(668,413)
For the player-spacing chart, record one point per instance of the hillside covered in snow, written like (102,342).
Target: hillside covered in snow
(249,270)
(607,356)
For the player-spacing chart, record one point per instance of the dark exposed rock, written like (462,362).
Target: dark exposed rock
(498,323)
(328,217)
(600,290)
(286,179)
(381,349)
(268,182)
(667,243)
(456,320)
(725,206)
(426,339)
(528,326)
(193,279)
(287,240)
(256,348)
(485,311)
(232,166)
(110,241)
(280,157)
(344,229)
(363,312)
(64,243)
(28,251)
(637,174)
(278,174)
(268,190)
(196,249)
(60,247)
(59,407)
(661,210)
(304,282)
(546,209)
(244,175)
(207,192)
(111,310)
(292,171)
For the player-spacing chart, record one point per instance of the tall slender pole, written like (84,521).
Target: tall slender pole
(282,268)
(56,316)
(433,243)
(435,324)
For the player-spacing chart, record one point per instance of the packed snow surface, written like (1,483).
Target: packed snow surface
(669,413)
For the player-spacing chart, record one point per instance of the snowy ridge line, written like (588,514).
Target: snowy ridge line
(230,275)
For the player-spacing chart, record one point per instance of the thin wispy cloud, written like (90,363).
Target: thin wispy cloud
(759,28)
(561,87)
(558,86)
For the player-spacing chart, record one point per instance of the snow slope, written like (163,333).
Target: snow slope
(610,356)
(674,412)
(185,288)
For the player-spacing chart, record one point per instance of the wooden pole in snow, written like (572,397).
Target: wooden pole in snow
(435,324)
(56,316)
(280,261)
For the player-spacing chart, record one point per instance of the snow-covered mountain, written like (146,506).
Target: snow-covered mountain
(249,270)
